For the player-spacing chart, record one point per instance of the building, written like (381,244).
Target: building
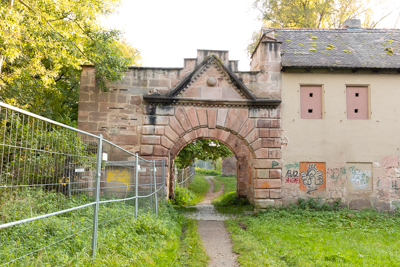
(315,117)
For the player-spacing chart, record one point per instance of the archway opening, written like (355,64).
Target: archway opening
(208,156)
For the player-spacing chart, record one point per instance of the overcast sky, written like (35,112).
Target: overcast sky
(166,31)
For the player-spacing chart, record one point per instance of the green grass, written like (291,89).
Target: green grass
(303,237)
(122,241)
(217,185)
(229,185)
(207,172)
(227,202)
(199,186)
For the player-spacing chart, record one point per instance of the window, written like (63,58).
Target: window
(311,102)
(357,102)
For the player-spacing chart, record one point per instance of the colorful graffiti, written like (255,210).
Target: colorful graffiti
(359,179)
(312,176)
(119,176)
(337,175)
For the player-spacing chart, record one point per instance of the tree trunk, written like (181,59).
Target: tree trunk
(1,62)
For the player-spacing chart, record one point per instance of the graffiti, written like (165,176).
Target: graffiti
(119,177)
(336,174)
(265,185)
(359,179)
(274,164)
(293,180)
(312,177)
(292,166)
(291,174)
(394,184)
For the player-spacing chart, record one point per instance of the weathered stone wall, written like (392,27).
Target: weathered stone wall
(213,101)
(229,166)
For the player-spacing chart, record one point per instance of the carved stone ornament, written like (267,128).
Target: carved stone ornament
(211,81)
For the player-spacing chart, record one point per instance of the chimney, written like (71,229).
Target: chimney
(352,24)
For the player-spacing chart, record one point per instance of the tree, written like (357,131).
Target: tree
(315,14)
(202,149)
(43,43)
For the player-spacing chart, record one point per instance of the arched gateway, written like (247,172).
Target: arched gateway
(157,112)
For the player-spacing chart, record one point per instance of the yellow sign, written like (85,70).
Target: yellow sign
(119,176)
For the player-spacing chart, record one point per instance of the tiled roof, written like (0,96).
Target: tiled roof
(355,48)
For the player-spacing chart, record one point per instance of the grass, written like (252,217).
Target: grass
(199,186)
(207,172)
(217,185)
(293,236)
(122,241)
(227,202)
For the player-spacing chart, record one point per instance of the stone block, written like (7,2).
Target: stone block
(256,144)
(176,126)
(261,193)
(151,130)
(128,139)
(262,153)
(271,142)
(192,116)
(264,132)
(160,151)
(275,193)
(122,99)
(165,110)
(275,133)
(231,118)
(252,136)
(268,164)
(88,126)
(171,134)
(275,174)
(382,206)
(101,97)
(359,204)
(212,118)
(275,154)
(275,113)
(268,183)
(83,97)
(88,106)
(247,127)
(135,100)
(224,135)
(166,142)
(259,113)
(240,120)
(146,150)
(263,203)
(155,120)
(151,139)
(268,123)
(180,114)
(159,83)
(262,173)
(221,117)
(98,116)
(202,116)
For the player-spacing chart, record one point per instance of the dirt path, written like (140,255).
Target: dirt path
(212,230)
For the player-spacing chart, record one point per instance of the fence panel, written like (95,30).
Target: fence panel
(183,177)
(53,179)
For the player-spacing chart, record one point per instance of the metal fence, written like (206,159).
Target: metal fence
(60,185)
(183,177)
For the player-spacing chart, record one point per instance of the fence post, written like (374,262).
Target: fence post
(163,178)
(151,185)
(155,186)
(176,177)
(136,185)
(97,195)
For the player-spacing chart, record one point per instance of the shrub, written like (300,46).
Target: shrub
(183,196)
(230,199)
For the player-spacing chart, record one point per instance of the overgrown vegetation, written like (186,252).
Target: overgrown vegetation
(199,186)
(314,234)
(228,202)
(206,172)
(122,241)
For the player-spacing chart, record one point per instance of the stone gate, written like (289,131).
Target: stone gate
(156,112)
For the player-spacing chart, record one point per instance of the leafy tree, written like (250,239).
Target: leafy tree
(315,14)
(202,149)
(43,43)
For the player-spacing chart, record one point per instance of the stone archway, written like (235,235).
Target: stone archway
(156,112)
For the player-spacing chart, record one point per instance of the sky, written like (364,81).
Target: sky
(167,31)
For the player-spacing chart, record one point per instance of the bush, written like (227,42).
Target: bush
(207,172)
(230,199)
(183,196)
(315,204)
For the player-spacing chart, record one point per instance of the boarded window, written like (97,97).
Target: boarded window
(357,102)
(311,102)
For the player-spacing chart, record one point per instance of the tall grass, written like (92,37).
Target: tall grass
(122,241)
(308,235)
